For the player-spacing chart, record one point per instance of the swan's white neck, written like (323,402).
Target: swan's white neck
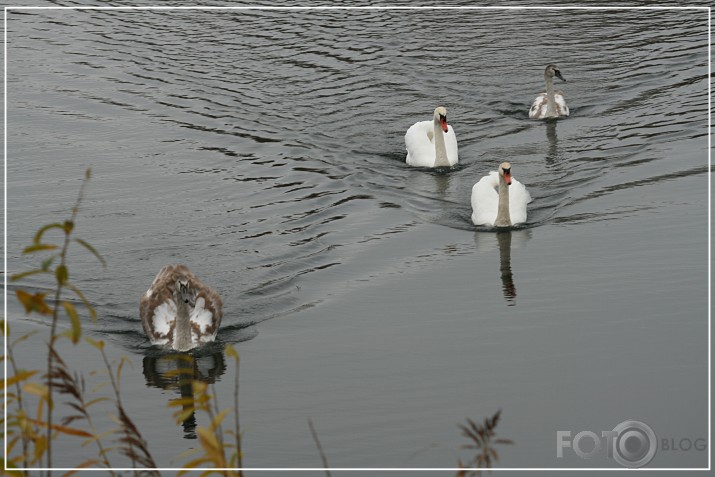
(550,97)
(182,332)
(503,217)
(439,147)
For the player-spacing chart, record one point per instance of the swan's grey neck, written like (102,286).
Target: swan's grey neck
(503,217)
(550,97)
(439,147)
(182,332)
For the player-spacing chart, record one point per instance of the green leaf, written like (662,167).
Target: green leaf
(93,250)
(39,247)
(38,236)
(74,319)
(46,263)
(23,337)
(90,308)
(68,227)
(62,274)
(21,275)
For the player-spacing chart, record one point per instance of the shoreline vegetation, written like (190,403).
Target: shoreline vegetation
(33,396)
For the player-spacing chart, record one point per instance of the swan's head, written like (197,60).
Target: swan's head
(505,172)
(440,115)
(553,70)
(183,292)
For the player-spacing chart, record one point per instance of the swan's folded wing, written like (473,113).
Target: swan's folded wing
(561,107)
(158,315)
(419,145)
(450,143)
(485,200)
(206,316)
(518,198)
(538,108)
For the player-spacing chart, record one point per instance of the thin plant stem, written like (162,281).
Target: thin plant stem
(55,317)
(18,388)
(320,447)
(239,451)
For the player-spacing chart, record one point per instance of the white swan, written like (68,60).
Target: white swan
(179,311)
(432,143)
(499,200)
(550,104)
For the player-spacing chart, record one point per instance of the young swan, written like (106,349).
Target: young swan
(432,143)
(179,311)
(499,200)
(550,104)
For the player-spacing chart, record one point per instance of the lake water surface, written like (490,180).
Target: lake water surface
(264,149)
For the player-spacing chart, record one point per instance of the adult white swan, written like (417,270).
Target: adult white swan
(432,143)
(499,200)
(550,104)
(179,311)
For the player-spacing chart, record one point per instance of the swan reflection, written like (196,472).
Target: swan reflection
(177,371)
(504,240)
(552,156)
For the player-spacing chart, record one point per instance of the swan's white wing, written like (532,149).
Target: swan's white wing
(518,198)
(202,326)
(561,107)
(450,142)
(162,323)
(419,144)
(485,200)
(538,108)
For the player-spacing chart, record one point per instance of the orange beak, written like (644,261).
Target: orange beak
(507,178)
(443,122)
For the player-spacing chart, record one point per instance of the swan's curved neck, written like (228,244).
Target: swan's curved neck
(182,332)
(439,147)
(550,97)
(503,217)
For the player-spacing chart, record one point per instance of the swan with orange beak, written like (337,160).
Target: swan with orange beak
(432,143)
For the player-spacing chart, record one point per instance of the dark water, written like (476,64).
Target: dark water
(265,150)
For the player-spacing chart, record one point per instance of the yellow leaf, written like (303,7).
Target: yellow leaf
(181,402)
(231,352)
(22,376)
(11,472)
(193,464)
(216,421)
(182,416)
(99,344)
(37,389)
(38,247)
(95,401)
(33,302)
(45,228)
(74,319)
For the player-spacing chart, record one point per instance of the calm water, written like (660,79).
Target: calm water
(265,150)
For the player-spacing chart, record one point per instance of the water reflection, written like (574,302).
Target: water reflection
(177,371)
(507,278)
(552,156)
(504,241)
